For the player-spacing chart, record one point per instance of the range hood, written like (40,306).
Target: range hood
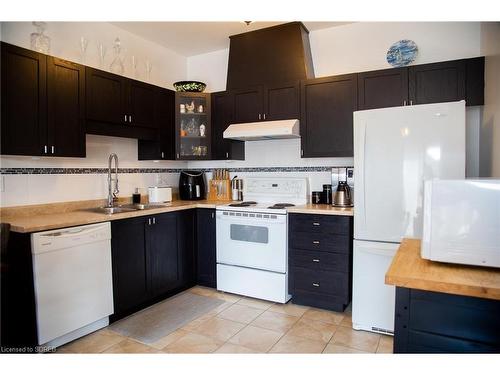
(257,131)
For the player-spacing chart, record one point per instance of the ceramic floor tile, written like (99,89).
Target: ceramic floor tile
(228,297)
(193,343)
(257,303)
(289,308)
(229,348)
(256,338)
(331,317)
(129,346)
(168,339)
(313,329)
(295,344)
(221,308)
(240,313)
(275,321)
(360,340)
(385,344)
(202,291)
(347,321)
(335,348)
(96,342)
(218,328)
(193,324)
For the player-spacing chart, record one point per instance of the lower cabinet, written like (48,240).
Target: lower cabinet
(206,248)
(320,260)
(152,256)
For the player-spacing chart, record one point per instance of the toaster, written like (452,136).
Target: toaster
(159,194)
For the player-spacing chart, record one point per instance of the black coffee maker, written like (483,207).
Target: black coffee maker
(192,185)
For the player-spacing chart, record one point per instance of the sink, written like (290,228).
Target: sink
(126,208)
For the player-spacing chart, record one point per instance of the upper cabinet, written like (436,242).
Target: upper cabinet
(267,103)
(326,126)
(119,106)
(43,104)
(222,117)
(383,88)
(192,126)
(162,148)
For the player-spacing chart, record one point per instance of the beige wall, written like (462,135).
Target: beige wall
(490,126)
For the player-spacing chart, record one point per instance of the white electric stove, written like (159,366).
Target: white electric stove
(252,245)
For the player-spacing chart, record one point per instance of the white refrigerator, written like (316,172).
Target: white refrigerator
(395,150)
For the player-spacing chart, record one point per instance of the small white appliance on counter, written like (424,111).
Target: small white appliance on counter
(73,282)
(159,194)
(251,236)
(395,150)
(462,222)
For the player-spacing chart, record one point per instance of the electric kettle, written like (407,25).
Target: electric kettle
(342,196)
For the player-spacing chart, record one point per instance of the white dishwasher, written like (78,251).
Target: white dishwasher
(73,282)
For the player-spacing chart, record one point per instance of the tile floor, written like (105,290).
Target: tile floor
(246,325)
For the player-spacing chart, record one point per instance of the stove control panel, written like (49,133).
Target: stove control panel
(276,188)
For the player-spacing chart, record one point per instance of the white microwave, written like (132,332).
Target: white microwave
(462,222)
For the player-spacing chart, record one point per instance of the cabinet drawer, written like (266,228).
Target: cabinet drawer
(322,282)
(319,260)
(320,242)
(320,224)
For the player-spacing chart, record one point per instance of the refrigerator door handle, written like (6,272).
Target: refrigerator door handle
(360,205)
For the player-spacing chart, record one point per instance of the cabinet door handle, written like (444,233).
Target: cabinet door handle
(53,149)
(316,242)
(177,156)
(260,116)
(301,152)
(130,118)
(154,221)
(316,285)
(213,215)
(149,221)
(45,149)
(404,102)
(316,260)
(264,116)
(411,102)
(227,155)
(316,224)
(162,155)
(125,118)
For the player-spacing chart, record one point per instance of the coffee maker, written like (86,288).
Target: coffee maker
(343,187)
(192,185)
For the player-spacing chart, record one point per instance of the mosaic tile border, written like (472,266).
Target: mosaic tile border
(46,171)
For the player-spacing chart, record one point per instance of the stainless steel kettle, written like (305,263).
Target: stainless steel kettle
(343,196)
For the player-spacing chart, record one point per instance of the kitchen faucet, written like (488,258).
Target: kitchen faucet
(112,193)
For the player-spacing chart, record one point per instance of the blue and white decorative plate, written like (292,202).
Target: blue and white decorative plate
(402,53)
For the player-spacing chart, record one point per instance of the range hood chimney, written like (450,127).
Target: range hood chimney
(257,131)
(274,55)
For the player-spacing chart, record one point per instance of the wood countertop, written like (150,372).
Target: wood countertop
(321,209)
(36,218)
(409,270)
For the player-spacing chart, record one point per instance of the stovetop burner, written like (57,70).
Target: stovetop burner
(243,204)
(278,206)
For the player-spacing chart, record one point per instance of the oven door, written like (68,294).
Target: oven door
(252,240)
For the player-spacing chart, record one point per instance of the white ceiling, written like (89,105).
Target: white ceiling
(194,38)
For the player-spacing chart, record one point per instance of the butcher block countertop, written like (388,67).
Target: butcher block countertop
(36,218)
(321,209)
(409,270)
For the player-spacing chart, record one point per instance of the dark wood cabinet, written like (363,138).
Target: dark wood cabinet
(281,102)
(162,253)
(222,117)
(130,283)
(206,248)
(326,122)
(248,105)
(65,108)
(383,88)
(43,104)
(186,226)
(320,260)
(437,82)
(162,148)
(474,81)
(432,322)
(141,103)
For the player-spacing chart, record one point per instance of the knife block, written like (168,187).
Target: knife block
(219,190)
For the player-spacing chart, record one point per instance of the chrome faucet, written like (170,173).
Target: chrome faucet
(112,192)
